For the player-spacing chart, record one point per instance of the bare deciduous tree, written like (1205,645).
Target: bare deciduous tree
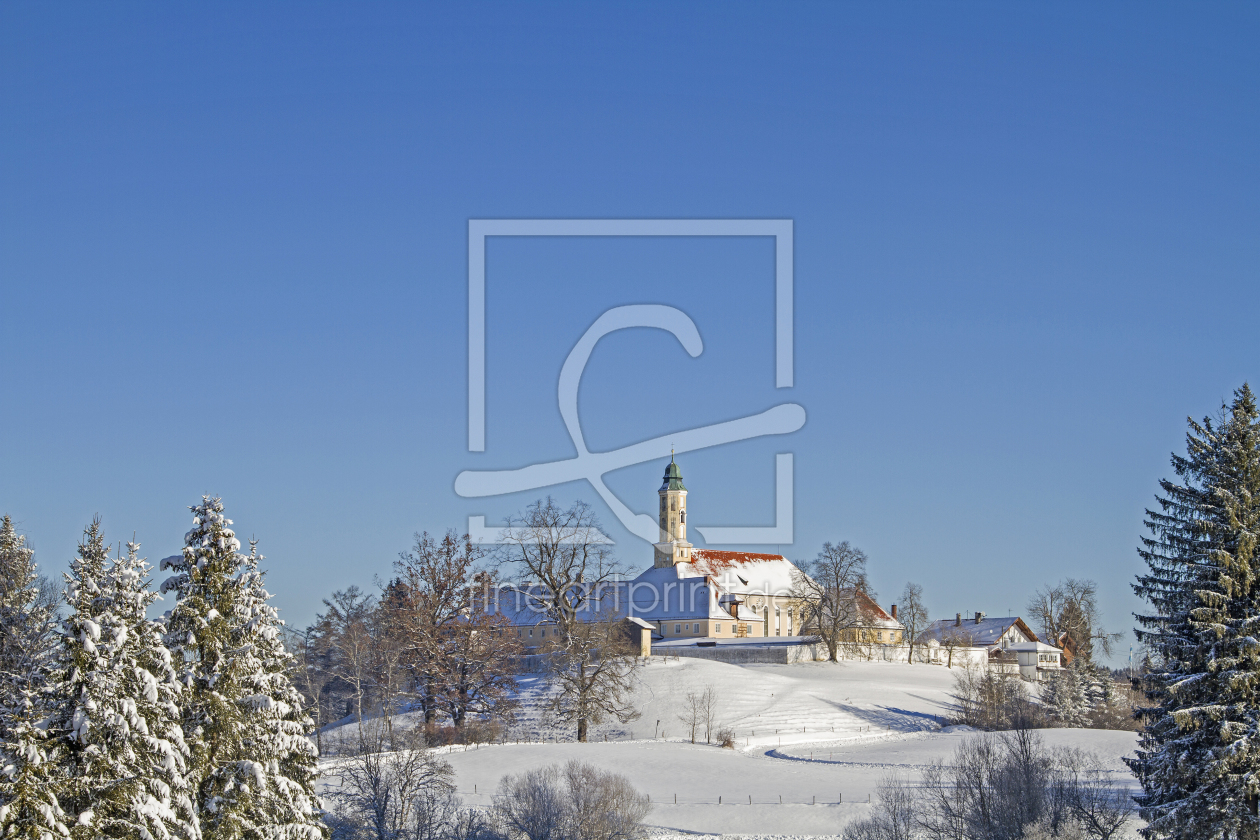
(1067,614)
(699,709)
(459,650)
(568,580)
(952,639)
(307,675)
(826,587)
(342,641)
(913,616)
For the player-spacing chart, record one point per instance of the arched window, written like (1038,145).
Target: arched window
(682,516)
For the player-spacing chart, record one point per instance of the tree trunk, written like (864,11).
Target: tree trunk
(583,687)
(459,715)
(429,703)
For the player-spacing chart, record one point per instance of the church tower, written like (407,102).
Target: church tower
(673,547)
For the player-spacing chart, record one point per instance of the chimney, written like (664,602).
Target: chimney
(978,617)
(894,612)
(958,619)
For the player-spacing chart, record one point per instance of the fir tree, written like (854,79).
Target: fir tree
(1066,696)
(275,724)
(1197,758)
(31,778)
(27,620)
(250,777)
(30,772)
(124,747)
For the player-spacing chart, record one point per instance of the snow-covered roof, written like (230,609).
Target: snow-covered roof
(670,593)
(1039,647)
(986,632)
(749,642)
(744,572)
(521,605)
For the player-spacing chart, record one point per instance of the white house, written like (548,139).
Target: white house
(1007,643)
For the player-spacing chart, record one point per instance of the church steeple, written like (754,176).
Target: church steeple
(673,476)
(673,547)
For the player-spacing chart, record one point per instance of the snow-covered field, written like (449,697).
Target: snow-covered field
(814,741)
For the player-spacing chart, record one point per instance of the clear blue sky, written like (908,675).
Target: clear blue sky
(233,260)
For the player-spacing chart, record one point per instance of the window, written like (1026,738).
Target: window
(682,516)
(880,635)
(673,505)
(765,621)
(687,628)
(777,630)
(717,628)
(677,628)
(543,632)
(531,632)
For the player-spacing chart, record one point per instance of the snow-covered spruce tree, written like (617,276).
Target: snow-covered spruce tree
(30,771)
(240,713)
(27,620)
(1065,696)
(123,745)
(276,724)
(1198,757)
(31,775)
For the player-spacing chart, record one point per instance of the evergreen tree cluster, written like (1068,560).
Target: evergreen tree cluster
(1084,695)
(1198,756)
(185,728)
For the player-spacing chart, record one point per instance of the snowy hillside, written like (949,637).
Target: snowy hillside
(814,741)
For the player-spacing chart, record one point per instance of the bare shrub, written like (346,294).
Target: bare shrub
(896,814)
(602,805)
(531,805)
(385,795)
(472,732)
(1004,786)
(726,738)
(1101,809)
(474,824)
(989,699)
(575,802)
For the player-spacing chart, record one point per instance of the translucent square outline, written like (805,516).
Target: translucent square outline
(479,229)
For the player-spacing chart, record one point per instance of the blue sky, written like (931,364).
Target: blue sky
(233,260)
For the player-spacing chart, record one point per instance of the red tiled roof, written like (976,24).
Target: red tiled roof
(720,560)
(870,609)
